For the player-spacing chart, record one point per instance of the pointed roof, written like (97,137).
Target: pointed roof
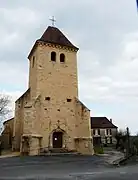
(55,36)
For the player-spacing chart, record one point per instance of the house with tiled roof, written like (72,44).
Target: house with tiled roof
(103,131)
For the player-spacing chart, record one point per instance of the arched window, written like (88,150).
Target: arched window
(53,56)
(62,58)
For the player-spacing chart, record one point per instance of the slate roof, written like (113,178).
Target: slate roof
(101,123)
(25,93)
(8,120)
(55,36)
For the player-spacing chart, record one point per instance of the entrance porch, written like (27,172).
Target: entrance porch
(57,139)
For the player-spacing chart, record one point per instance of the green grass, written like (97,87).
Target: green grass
(98,150)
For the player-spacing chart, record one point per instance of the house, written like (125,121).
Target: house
(6,136)
(103,131)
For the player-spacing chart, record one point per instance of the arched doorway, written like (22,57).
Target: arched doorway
(57,139)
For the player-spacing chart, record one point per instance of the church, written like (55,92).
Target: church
(49,114)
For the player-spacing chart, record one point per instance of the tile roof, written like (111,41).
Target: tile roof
(101,122)
(55,36)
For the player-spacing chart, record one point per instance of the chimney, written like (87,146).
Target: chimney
(111,120)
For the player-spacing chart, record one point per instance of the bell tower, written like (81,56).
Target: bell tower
(53,66)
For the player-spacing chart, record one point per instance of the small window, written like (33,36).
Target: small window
(62,58)
(106,131)
(68,100)
(111,141)
(53,56)
(110,132)
(93,131)
(33,61)
(105,140)
(98,131)
(47,98)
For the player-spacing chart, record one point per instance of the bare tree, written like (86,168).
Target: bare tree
(4,105)
(121,138)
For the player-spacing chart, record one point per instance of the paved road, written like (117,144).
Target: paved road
(63,167)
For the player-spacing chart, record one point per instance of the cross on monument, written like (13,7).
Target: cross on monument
(53,20)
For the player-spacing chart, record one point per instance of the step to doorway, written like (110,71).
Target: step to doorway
(59,154)
(57,151)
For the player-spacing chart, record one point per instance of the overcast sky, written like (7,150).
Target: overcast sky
(106,31)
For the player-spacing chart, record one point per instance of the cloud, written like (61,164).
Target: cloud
(106,33)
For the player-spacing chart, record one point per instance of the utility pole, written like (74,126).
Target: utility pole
(127,143)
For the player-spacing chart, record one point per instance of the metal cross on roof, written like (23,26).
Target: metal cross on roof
(53,20)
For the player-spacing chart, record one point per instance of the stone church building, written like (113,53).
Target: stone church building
(49,114)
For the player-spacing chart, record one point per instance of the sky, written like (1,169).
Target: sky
(106,32)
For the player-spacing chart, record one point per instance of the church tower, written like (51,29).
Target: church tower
(51,116)
(53,66)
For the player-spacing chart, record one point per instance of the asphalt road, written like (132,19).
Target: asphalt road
(64,167)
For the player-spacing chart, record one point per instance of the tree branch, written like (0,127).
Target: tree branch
(4,104)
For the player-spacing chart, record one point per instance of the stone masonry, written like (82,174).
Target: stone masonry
(49,114)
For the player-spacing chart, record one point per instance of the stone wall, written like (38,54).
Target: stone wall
(19,119)
(83,137)
(47,75)
(43,118)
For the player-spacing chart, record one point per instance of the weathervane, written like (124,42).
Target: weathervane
(53,20)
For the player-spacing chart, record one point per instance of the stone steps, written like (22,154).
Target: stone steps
(58,154)
(57,151)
